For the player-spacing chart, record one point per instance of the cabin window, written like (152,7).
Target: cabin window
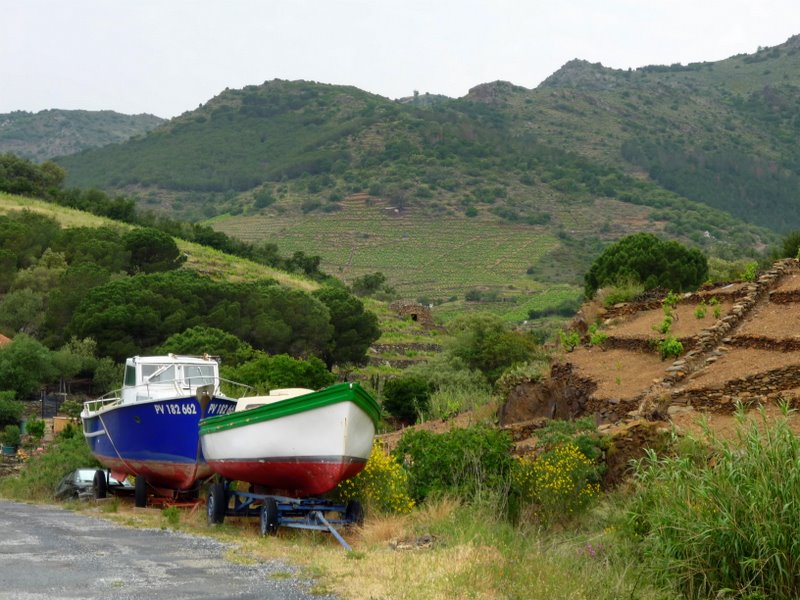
(196,375)
(158,373)
(130,375)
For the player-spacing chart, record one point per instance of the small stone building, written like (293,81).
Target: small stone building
(418,312)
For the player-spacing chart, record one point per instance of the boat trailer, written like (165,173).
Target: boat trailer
(281,511)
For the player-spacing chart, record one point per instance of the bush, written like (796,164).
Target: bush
(622,292)
(596,337)
(670,347)
(35,428)
(560,483)
(700,311)
(10,435)
(382,486)
(569,339)
(646,259)
(727,526)
(466,463)
(455,388)
(407,397)
(10,409)
(281,371)
(41,474)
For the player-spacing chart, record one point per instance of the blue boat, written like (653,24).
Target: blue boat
(150,427)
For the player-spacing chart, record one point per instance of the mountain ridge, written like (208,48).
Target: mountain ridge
(49,133)
(703,153)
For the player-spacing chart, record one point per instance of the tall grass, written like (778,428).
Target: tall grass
(41,474)
(450,549)
(729,526)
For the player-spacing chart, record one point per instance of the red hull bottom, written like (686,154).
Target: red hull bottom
(168,475)
(298,477)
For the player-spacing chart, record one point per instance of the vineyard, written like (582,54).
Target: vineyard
(423,257)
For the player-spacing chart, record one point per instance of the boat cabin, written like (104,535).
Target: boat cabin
(160,377)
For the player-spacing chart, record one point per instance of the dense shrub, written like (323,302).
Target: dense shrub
(208,340)
(281,371)
(10,436)
(649,260)
(407,397)
(10,409)
(455,388)
(382,485)
(725,526)
(559,484)
(468,463)
(35,428)
(42,472)
(25,364)
(484,342)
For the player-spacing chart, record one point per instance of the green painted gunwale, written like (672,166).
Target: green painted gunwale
(340,392)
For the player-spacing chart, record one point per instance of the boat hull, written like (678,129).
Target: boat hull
(304,451)
(156,439)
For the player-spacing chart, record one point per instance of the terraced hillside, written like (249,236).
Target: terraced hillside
(749,352)
(431,259)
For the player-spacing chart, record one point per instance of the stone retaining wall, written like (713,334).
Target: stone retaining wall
(625,309)
(764,343)
(784,297)
(756,387)
(643,345)
(403,348)
(710,338)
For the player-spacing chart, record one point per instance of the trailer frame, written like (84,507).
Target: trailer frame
(276,511)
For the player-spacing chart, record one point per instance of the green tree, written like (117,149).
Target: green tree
(25,365)
(42,276)
(484,342)
(368,284)
(208,340)
(22,311)
(790,245)
(152,251)
(21,176)
(27,234)
(73,286)
(8,269)
(407,397)
(354,328)
(100,246)
(281,371)
(10,409)
(646,259)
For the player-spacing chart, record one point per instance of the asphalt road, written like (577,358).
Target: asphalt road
(48,552)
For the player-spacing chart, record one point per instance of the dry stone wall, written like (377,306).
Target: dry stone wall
(769,384)
(712,337)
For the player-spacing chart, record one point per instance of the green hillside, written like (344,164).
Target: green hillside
(49,133)
(703,153)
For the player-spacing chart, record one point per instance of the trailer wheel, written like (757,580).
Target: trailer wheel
(216,503)
(99,484)
(140,493)
(269,517)
(354,513)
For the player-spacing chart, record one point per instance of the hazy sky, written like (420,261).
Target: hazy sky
(168,56)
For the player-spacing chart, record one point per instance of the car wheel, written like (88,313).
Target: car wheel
(140,493)
(100,485)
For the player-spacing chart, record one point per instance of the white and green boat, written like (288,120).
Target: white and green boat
(296,442)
